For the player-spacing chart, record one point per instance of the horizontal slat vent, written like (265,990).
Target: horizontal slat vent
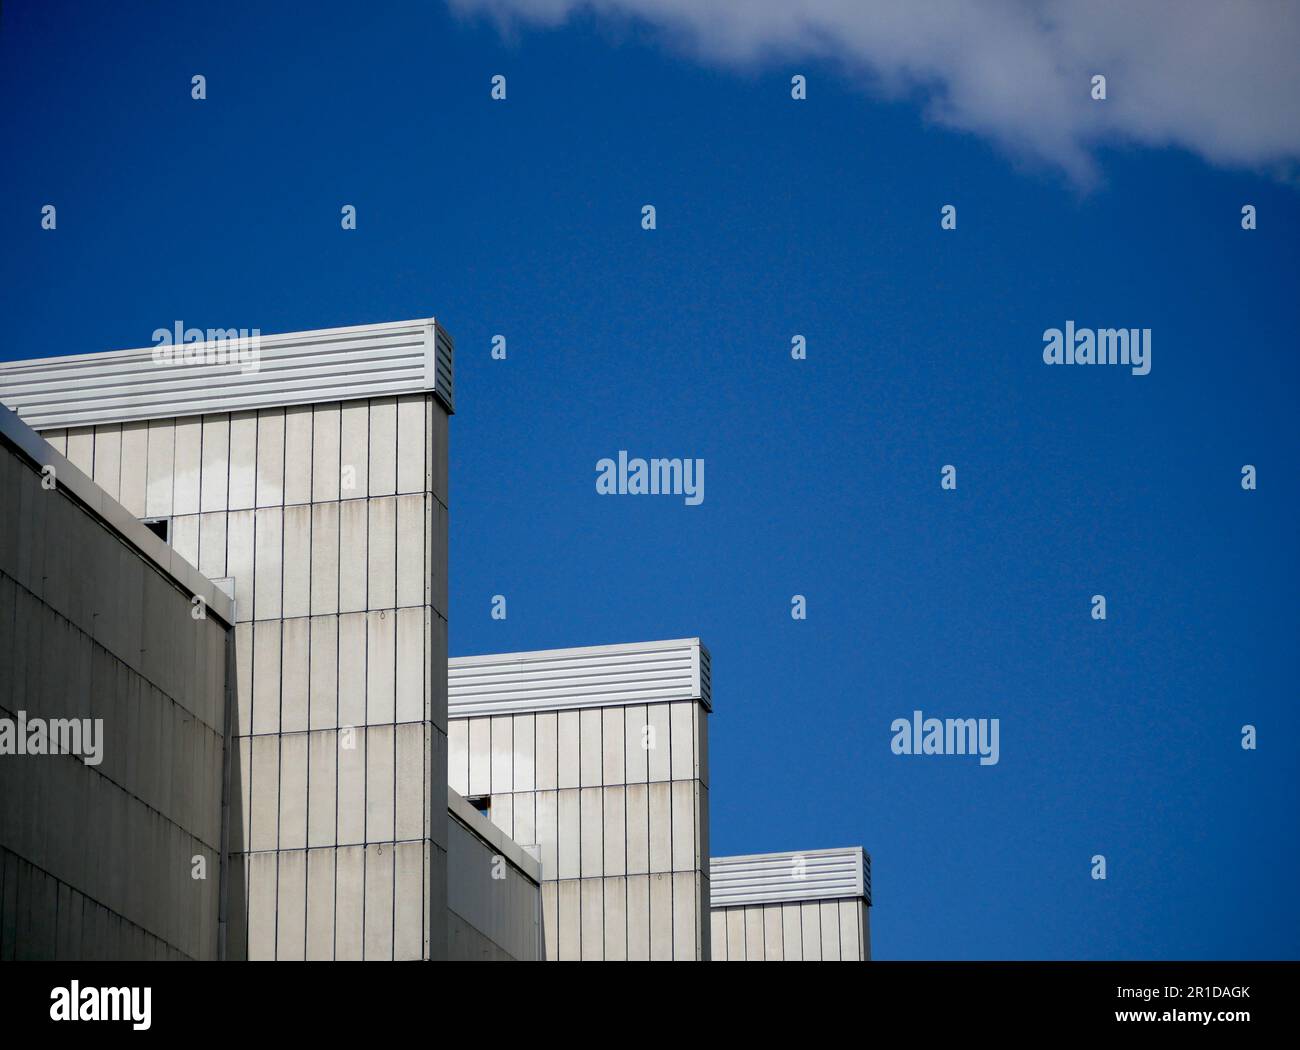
(768,878)
(598,676)
(294,368)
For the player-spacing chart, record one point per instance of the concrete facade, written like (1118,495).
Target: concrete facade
(599,757)
(813,906)
(331,520)
(119,859)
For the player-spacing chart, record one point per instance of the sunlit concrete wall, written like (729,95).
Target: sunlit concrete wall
(613,793)
(494,900)
(332,520)
(121,859)
(810,905)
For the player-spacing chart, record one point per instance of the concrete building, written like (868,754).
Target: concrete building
(599,757)
(237,560)
(812,905)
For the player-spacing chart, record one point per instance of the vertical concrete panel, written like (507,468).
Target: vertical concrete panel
(718,934)
(408,901)
(212,545)
(850,933)
(660,737)
(613,743)
(502,814)
(297,454)
(592,833)
(297,561)
(135,468)
(381,556)
(811,924)
(412,580)
(615,893)
(685,854)
(548,833)
(325,453)
(550,921)
(261,906)
(187,465)
(291,913)
(590,747)
(349,882)
(270,457)
(792,931)
(615,831)
(353,568)
(293,792)
(661,916)
(352,669)
(830,924)
(737,942)
(354,450)
(351,786)
(294,674)
(214,475)
(409,811)
(480,756)
(381,667)
(638,917)
(546,749)
(383,447)
(267,565)
(380,783)
(320,904)
(239,560)
(458,755)
(773,933)
(686,917)
(503,754)
(242,840)
(569,829)
(322,772)
(524,774)
(185,538)
(379,901)
(755,932)
(681,719)
(411,664)
(525,817)
(323,689)
(265,791)
(266,677)
(162,444)
(593,918)
(108,459)
(410,444)
(660,826)
(636,757)
(638,829)
(243,460)
(81,449)
(325,558)
(569,919)
(569,749)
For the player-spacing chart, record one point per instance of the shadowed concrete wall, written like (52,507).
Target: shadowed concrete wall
(613,793)
(494,900)
(97,861)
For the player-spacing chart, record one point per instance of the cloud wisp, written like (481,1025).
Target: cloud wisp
(1218,80)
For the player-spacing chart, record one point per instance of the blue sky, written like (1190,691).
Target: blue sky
(924,348)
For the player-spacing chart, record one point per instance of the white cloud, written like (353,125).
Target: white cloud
(1220,80)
